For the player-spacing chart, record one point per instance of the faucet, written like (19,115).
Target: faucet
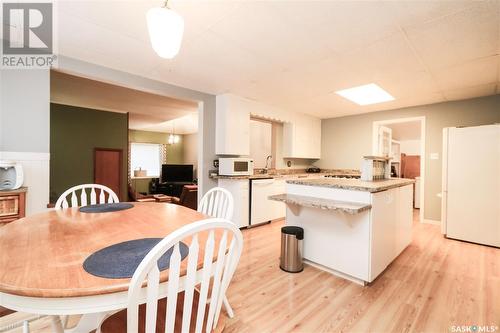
(268,158)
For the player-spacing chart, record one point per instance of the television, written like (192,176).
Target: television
(177,173)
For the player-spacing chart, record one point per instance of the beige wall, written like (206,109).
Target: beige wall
(191,151)
(346,139)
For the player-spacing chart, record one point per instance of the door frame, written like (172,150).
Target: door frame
(421,119)
(120,175)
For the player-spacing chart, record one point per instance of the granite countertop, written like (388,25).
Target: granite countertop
(354,184)
(284,174)
(326,204)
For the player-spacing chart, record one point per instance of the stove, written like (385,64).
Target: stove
(343,176)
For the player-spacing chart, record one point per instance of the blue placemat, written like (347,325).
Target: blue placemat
(120,260)
(105,208)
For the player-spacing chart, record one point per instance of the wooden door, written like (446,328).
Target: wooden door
(108,168)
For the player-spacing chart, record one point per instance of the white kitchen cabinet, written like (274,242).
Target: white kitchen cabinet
(240,191)
(404,225)
(384,216)
(302,138)
(232,128)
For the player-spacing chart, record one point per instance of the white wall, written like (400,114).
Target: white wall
(410,147)
(191,150)
(260,142)
(24,130)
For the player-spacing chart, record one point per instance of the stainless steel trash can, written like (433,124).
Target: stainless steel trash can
(291,249)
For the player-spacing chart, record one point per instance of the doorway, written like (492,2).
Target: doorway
(404,141)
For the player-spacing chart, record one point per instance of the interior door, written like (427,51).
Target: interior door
(384,141)
(108,168)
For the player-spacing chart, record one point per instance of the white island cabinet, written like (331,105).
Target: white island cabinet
(352,228)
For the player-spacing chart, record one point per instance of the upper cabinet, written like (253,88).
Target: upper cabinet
(232,129)
(302,138)
(301,133)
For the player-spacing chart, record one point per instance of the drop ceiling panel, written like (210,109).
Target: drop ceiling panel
(257,27)
(341,25)
(411,13)
(454,39)
(294,54)
(468,74)
(471,92)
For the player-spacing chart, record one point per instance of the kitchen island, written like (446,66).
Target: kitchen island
(352,228)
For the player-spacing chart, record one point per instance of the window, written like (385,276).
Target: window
(145,156)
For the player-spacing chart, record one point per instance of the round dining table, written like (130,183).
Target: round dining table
(42,256)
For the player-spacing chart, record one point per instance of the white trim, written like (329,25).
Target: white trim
(431,221)
(25,156)
(422,120)
(335,272)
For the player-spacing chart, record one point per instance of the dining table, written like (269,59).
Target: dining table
(42,256)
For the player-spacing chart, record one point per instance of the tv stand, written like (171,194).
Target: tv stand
(173,189)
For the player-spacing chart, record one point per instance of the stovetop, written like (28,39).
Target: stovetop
(343,176)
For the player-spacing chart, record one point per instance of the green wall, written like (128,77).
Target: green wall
(175,152)
(74,133)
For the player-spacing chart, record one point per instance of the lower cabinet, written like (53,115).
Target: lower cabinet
(391,223)
(240,191)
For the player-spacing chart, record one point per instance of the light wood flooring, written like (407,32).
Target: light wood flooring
(434,284)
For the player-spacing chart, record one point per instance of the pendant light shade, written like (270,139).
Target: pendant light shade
(166,28)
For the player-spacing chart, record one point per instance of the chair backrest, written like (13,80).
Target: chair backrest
(217,202)
(218,272)
(62,202)
(189,196)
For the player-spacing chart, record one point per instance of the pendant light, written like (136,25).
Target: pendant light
(166,28)
(172,138)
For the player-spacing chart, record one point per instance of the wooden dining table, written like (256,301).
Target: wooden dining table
(42,255)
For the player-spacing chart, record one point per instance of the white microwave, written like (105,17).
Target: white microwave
(235,166)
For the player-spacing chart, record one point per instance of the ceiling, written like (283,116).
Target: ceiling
(296,54)
(409,130)
(146,111)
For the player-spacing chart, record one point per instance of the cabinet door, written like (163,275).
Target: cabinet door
(240,191)
(302,138)
(405,218)
(232,130)
(384,215)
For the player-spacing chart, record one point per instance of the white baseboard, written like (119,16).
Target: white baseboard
(36,177)
(431,221)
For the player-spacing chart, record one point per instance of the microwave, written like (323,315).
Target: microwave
(235,166)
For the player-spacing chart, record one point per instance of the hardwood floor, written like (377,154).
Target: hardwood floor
(434,284)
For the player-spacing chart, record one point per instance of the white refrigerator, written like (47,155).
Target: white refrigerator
(471,184)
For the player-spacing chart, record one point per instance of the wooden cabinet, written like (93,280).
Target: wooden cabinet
(12,205)
(232,128)
(302,138)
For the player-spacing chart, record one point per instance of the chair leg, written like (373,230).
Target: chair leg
(228,308)
(56,324)
(26,326)
(64,321)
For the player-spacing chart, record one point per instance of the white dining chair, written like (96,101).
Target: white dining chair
(184,309)
(219,202)
(89,198)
